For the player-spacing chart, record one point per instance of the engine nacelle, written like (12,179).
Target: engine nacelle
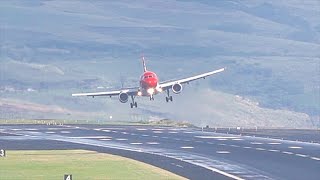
(123,97)
(177,88)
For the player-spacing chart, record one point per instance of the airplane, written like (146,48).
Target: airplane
(150,86)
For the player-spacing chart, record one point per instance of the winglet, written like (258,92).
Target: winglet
(144,64)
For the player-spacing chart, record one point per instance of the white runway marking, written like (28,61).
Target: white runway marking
(50,132)
(32,129)
(295,147)
(105,139)
(65,132)
(186,147)
(124,133)
(236,139)
(256,143)
(106,130)
(274,143)
(114,131)
(216,137)
(157,132)
(173,132)
(121,139)
(247,147)
(260,149)
(286,152)
(145,135)
(155,136)
(152,143)
(273,150)
(136,143)
(221,139)
(141,129)
(90,137)
(188,132)
(157,129)
(232,145)
(222,144)
(16,129)
(315,158)
(223,152)
(302,155)
(97,129)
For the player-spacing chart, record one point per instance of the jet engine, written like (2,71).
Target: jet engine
(123,97)
(177,88)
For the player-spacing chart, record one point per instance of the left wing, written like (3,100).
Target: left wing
(129,91)
(168,84)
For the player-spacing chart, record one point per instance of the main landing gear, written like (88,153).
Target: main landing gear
(168,98)
(133,104)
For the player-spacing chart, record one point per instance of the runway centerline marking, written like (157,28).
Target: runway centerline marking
(65,132)
(273,150)
(121,139)
(157,132)
(260,149)
(315,158)
(216,137)
(286,152)
(136,143)
(105,130)
(105,139)
(301,155)
(295,147)
(141,129)
(256,143)
(222,152)
(186,147)
(152,143)
(50,132)
(173,132)
(90,137)
(274,143)
(145,135)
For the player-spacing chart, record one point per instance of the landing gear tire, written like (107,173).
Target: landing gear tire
(135,104)
(169,98)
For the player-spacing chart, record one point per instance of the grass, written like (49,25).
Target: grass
(53,164)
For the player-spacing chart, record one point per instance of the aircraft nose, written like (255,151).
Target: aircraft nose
(152,83)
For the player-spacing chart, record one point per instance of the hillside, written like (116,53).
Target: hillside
(50,49)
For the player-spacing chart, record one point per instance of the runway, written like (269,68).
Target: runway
(189,152)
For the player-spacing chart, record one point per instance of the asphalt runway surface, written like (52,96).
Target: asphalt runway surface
(189,152)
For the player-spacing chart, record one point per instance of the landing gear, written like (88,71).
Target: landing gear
(168,98)
(151,98)
(133,104)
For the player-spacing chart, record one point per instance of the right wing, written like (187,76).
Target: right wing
(169,84)
(129,91)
